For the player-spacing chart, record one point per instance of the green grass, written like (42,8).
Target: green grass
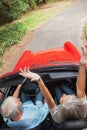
(12,33)
(0,63)
(86,31)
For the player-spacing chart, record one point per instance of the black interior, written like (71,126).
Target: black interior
(51,78)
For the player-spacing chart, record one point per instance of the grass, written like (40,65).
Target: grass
(0,63)
(86,31)
(12,33)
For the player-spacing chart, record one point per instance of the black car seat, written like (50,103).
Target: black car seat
(70,125)
(39,127)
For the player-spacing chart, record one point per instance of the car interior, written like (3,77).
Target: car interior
(51,79)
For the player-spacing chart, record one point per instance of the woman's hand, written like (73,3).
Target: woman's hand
(83,60)
(28,74)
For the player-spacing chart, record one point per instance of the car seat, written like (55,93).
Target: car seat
(39,127)
(70,125)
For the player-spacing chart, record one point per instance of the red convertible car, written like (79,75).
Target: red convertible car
(55,66)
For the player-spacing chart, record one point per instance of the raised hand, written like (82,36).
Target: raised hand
(83,59)
(28,74)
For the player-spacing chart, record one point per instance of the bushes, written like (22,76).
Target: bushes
(32,4)
(11,35)
(12,9)
(40,1)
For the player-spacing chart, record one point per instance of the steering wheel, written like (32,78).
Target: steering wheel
(29,88)
(2,94)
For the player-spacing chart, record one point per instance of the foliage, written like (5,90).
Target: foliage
(12,9)
(86,31)
(11,35)
(1,63)
(32,4)
(40,1)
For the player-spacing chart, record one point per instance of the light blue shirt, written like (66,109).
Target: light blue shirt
(32,116)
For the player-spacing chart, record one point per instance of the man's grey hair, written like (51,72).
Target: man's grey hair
(73,109)
(9,108)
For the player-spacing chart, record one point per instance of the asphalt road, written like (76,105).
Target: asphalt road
(66,26)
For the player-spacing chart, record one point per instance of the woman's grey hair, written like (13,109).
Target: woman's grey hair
(73,109)
(9,108)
